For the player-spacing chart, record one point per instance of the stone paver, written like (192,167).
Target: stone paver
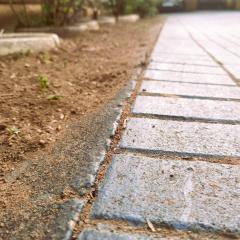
(186,68)
(181,194)
(188,108)
(106,235)
(234,69)
(188,77)
(178,57)
(182,137)
(183,60)
(188,89)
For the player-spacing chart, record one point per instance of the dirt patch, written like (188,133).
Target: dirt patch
(44,96)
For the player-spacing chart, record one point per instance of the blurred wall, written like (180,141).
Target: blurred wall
(8,20)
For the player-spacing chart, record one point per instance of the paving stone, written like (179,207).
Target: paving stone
(189,89)
(192,138)
(188,77)
(92,234)
(188,108)
(183,194)
(105,235)
(234,70)
(186,68)
(183,60)
(174,56)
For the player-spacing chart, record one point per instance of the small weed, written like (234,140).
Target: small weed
(44,57)
(43,83)
(28,52)
(13,131)
(54,97)
(17,55)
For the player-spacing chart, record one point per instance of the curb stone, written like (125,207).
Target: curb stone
(83,185)
(66,220)
(11,43)
(66,31)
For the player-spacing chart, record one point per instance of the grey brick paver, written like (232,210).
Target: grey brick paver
(183,60)
(90,234)
(182,137)
(193,195)
(189,108)
(188,77)
(188,89)
(186,68)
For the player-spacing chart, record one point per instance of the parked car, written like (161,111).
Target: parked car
(172,5)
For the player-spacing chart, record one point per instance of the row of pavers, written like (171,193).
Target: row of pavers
(220,35)
(187,106)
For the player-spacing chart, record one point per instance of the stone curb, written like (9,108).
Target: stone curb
(23,42)
(66,31)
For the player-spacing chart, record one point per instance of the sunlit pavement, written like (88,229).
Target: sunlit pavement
(178,158)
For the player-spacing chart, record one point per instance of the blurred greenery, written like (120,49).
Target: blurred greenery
(63,12)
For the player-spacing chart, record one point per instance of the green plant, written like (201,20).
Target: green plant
(43,82)
(44,57)
(60,12)
(143,7)
(13,130)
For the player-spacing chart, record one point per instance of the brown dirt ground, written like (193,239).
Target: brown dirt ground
(86,72)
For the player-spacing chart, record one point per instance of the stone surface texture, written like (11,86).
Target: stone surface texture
(182,137)
(188,77)
(106,235)
(188,108)
(189,89)
(186,68)
(66,220)
(182,194)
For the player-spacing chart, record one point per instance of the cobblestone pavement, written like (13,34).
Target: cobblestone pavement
(177,163)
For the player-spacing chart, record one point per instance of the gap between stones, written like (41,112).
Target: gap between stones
(178,63)
(121,226)
(164,155)
(164,80)
(186,96)
(217,74)
(185,119)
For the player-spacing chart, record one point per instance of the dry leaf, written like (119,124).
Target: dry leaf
(150,225)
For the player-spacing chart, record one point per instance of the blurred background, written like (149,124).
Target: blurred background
(24,13)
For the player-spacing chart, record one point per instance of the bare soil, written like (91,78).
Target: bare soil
(83,75)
